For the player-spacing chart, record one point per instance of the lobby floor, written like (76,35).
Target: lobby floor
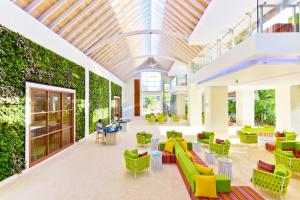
(92,171)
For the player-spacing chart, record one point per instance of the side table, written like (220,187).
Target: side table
(154,144)
(156,160)
(197,147)
(210,158)
(225,167)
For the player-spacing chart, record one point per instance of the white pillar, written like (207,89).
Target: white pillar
(283,107)
(195,105)
(87,102)
(109,102)
(245,107)
(216,109)
(180,104)
(295,108)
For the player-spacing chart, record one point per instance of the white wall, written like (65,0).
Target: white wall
(216,109)
(283,108)
(14,18)
(128,98)
(180,104)
(245,107)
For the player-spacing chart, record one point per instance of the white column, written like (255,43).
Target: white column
(180,104)
(87,102)
(295,108)
(283,107)
(195,105)
(245,107)
(216,109)
(109,107)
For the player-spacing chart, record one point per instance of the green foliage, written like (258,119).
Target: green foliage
(116,90)
(22,60)
(232,109)
(265,107)
(99,101)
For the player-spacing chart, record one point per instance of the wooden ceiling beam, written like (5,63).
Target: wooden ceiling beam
(52,10)
(99,12)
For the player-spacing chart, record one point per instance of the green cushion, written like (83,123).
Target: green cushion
(226,142)
(286,145)
(297,145)
(206,141)
(132,154)
(207,134)
(223,183)
(280,152)
(281,170)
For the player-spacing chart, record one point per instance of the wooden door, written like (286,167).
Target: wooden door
(137,96)
(117,107)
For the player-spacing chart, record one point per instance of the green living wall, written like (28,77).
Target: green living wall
(22,60)
(116,90)
(99,101)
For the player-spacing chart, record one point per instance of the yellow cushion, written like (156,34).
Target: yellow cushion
(183,144)
(205,186)
(204,170)
(169,147)
(191,157)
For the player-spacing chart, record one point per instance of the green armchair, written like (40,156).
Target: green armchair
(271,181)
(205,137)
(161,118)
(174,134)
(136,164)
(248,138)
(287,159)
(143,138)
(175,118)
(220,149)
(151,120)
(287,136)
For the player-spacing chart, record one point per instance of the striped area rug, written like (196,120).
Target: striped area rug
(237,193)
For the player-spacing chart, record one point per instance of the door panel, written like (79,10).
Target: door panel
(137,95)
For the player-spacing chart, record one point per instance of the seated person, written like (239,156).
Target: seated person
(99,129)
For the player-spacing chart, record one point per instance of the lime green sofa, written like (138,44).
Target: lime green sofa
(260,131)
(223,183)
(207,137)
(135,164)
(143,138)
(174,134)
(271,181)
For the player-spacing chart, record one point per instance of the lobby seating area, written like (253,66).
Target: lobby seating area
(149,100)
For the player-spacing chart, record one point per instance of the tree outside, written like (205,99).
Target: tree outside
(265,107)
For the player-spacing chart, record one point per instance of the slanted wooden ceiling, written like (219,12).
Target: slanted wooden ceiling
(120,35)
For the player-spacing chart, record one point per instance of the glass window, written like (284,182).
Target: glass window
(151,104)
(151,81)
(51,126)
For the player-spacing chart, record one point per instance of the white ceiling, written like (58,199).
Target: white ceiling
(121,35)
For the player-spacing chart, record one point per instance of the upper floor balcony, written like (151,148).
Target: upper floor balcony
(263,19)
